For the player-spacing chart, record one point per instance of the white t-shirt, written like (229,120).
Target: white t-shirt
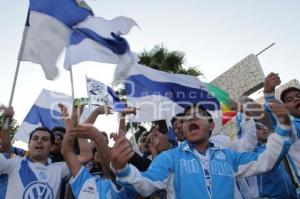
(27,179)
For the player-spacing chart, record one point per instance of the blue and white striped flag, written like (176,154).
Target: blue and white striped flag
(161,95)
(44,112)
(98,39)
(48,29)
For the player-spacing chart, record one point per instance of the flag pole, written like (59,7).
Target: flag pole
(14,84)
(132,134)
(265,49)
(17,68)
(72,82)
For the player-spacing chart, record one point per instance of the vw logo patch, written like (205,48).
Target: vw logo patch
(38,190)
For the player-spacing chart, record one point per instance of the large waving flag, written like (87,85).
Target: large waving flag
(160,95)
(98,39)
(101,94)
(44,112)
(48,30)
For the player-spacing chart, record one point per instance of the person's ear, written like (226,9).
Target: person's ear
(211,126)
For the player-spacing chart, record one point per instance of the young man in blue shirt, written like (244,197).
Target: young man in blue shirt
(197,169)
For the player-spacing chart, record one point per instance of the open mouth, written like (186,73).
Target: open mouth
(265,133)
(39,148)
(193,128)
(298,106)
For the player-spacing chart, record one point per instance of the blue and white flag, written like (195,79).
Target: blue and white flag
(44,112)
(98,39)
(48,29)
(101,94)
(161,95)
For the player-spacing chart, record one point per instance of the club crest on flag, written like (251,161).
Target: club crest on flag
(97,93)
(102,95)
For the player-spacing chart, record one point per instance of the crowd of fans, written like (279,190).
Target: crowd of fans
(75,161)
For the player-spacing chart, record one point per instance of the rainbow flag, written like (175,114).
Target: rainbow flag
(224,101)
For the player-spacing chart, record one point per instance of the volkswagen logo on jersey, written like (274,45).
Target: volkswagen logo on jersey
(38,190)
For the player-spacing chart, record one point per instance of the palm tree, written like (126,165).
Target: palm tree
(161,58)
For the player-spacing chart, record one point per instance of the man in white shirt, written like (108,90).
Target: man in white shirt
(34,177)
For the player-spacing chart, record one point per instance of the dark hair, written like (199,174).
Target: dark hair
(161,125)
(176,117)
(139,133)
(105,134)
(202,108)
(59,129)
(94,150)
(42,129)
(143,137)
(286,91)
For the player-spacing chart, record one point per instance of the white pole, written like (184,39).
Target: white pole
(18,67)
(72,83)
(14,84)
(132,134)
(87,91)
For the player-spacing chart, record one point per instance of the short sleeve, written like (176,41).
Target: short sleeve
(78,182)
(65,170)
(8,161)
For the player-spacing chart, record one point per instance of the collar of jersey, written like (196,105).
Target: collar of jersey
(30,160)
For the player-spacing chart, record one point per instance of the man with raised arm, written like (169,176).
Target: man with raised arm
(83,183)
(290,97)
(33,177)
(197,169)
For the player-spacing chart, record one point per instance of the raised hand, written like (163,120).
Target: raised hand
(115,136)
(76,113)
(123,113)
(5,134)
(129,110)
(65,116)
(8,112)
(104,110)
(86,132)
(121,152)
(63,110)
(271,81)
(281,112)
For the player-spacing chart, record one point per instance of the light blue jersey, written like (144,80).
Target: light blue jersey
(85,185)
(179,171)
(293,153)
(273,184)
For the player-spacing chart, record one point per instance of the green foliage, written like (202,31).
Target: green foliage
(14,125)
(160,58)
